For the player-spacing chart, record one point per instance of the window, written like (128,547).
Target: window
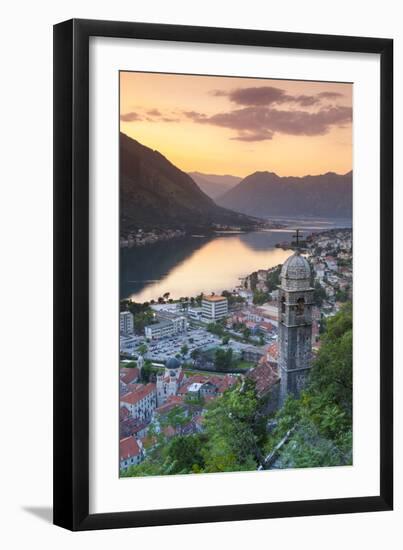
(283,305)
(300,306)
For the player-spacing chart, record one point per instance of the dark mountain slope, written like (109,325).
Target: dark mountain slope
(156,194)
(265,194)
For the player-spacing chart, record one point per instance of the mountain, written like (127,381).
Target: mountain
(265,194)
(214,185)
(156,194)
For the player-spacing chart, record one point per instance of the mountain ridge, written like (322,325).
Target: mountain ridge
(214,185)
(266,194)
(154,193)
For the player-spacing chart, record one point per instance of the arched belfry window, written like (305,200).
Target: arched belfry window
(283,304)
(300,306)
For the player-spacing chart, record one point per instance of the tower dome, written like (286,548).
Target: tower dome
(295,273)
(172,364)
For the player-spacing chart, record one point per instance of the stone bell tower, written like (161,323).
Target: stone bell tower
(294,325)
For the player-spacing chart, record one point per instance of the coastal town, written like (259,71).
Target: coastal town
(178,356)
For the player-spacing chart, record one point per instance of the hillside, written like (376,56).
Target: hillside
(214,185)
(156,194)
(266,194)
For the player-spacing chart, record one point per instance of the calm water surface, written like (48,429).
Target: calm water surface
(191,265)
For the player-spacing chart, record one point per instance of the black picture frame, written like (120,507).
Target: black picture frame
(71,274)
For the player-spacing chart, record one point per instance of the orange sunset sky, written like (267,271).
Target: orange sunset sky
(238,126)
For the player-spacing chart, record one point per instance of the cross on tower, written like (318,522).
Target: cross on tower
(296,236)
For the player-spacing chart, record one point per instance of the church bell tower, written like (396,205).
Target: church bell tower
(294,325)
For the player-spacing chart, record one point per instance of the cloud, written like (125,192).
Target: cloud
(154,112)
(260,115)
(261,123)
(330,95)
(270,95)
(256,136)
(266,95)
(130,117)
(194,115)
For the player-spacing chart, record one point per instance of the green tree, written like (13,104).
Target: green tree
(184,349)
(216,328)
(232,432)
(223,359)
(146,372)
(142,319)
(176,418)
(319,294)
(331,375)
(273,278)
(259,297)
(142,349)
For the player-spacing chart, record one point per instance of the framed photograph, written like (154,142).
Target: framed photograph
(223,322)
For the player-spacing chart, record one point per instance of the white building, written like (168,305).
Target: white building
(169,381)
(130,452)
(168,327)
(126,323)
(141,401)
(214,307)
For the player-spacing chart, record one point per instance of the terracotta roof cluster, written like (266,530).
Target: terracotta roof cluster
(171,402)
(128,447)
(220,382)
(130,426)
(194,379)
(138,394)
(225,382)
(129,375)
(264,375)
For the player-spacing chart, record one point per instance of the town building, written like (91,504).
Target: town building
(140,401)
(126,323)
(130,452)
(214,307)
(295,325)
(169,381)
(169,326)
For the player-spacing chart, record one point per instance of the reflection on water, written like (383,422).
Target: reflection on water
(189,266)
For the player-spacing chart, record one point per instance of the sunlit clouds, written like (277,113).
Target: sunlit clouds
(240,125)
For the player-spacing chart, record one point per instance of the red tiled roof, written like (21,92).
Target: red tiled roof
(265,376)
(172,402)
(123,413)
(194,379)
(130,426)
(129,375)
(138,394)
(225,382)
(265,325)
(128,447)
